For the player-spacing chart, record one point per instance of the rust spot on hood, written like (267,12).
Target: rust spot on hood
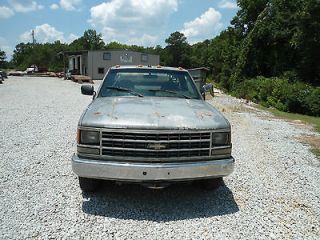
(97,113)
(158,114)
(202,115)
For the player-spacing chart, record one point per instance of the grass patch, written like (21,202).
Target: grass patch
(316,152)
(314,121)
(312,141)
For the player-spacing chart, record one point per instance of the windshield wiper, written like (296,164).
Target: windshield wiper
(125,90)
(169,91)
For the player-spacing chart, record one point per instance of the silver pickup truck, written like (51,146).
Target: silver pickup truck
(150,125)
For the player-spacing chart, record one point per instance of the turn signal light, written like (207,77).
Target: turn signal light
(78,136)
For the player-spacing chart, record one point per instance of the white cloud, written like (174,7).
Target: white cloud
(71,38)
(26,6)
(16,6)
(4,46)
(46,33)
(54,6)
(132,21)
(227,4)
(203,27)
(70,5)
(5,12)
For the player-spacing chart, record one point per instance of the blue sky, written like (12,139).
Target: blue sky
(140,22)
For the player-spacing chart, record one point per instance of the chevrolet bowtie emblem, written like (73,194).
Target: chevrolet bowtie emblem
(156,146)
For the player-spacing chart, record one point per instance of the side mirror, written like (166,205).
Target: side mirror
(87,90)
(208,87)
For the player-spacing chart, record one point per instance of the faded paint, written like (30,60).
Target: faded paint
(149,115)
(152,113)
(204,114)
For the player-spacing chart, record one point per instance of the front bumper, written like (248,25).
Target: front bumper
(146,172)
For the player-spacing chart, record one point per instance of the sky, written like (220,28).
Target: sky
(140,22)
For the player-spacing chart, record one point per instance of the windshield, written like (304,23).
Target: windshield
(148,83)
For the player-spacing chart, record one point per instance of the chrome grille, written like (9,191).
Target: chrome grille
(150,144)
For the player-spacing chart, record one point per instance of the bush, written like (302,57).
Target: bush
(247,90)
(292,76)
(281,93)
(55,69)
(296,98)
(313,101)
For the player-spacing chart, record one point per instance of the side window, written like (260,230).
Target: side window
(101,70)
(107,56)
(144,57)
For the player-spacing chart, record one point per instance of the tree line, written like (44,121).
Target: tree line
(269,54)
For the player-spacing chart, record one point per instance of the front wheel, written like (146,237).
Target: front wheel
(88,184)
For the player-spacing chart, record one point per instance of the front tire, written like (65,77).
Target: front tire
(88,184)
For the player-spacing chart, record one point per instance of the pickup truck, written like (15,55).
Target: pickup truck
(150,125)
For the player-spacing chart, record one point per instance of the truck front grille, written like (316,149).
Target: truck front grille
(158,144)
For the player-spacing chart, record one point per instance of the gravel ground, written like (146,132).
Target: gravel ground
(274,192)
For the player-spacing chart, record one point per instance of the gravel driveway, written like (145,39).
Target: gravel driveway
(274,192)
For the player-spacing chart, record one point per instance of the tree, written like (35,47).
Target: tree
(223,53)
(273,38)
(3,58)
(89,41)
(22,55)
(41,54)
(163,55)
(116,45)
(248,14)
(177,50)
(77,44)
(307,41)
(92,40)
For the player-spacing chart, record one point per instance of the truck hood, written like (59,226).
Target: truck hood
(152,113)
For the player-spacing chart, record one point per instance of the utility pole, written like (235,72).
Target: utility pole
(33,38)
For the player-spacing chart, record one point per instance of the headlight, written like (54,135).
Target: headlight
(220,138)
(89,137)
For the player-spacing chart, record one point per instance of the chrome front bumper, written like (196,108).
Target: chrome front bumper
(144,172)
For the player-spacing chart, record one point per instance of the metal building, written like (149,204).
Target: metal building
(96,63)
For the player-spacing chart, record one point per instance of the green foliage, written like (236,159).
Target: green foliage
(315,121)
(273,43)
(92,40)
(276,45)
(278,36)
(248,14)
(313,101)
(50,55)
(177,50)
(281,94)
(222,57)
(117,45)
(43,55)
(3,57)
(89,41)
